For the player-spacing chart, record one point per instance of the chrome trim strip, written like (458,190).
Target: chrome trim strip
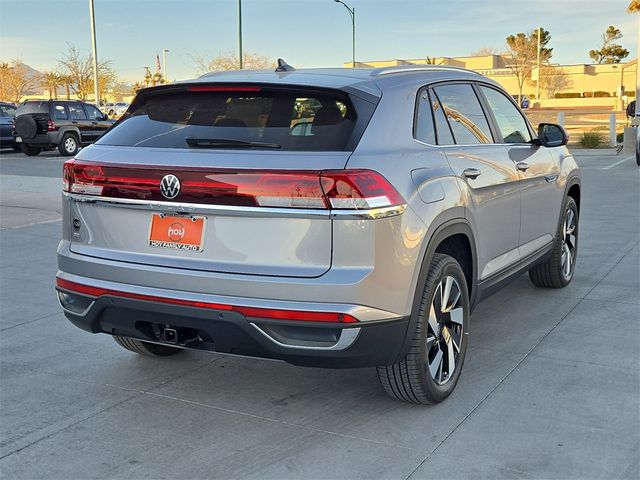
(348,336)
(231,210)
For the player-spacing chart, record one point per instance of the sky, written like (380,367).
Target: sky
(306,33)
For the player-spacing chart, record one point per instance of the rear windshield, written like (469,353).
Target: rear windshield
(33,107)
(261,118)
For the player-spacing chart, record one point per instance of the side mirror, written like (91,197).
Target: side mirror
(552,135)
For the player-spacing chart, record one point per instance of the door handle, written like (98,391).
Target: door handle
(94,123)
(522,166)
(471,173)
(74,122)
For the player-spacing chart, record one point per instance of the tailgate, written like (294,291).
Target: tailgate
(219,231)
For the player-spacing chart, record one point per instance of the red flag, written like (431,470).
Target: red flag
(158,68)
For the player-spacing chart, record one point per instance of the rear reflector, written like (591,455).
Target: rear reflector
(252,312)
(310,189)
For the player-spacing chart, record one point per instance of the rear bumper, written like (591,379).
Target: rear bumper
(48,140)
(225,330)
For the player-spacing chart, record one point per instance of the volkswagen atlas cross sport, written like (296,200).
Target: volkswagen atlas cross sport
(324,217)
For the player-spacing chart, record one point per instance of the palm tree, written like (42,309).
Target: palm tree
(634,6)
(51,82)
(66,81)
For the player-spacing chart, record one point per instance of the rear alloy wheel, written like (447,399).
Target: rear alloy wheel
(558,271)
(30,150)
(68,145)
(146,348)
(431,369)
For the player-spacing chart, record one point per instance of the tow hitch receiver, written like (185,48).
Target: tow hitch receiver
(170,335)
(174,335)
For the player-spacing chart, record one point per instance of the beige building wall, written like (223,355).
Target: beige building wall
(582,78)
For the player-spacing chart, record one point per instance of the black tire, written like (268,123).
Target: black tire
(411,379)
(30,150)
(552,273)
(69,145)
(26,127)
(146,348)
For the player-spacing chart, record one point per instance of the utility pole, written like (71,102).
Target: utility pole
(94,48)
(352,12)
(240,33)
(538,81)
(164,64)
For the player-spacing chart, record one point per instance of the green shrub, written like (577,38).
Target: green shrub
(591,139)
(620,137)
(596,94)
(568,95)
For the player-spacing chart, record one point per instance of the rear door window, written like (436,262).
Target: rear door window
(77,112)
(60,112)
(464,114)
(287,119)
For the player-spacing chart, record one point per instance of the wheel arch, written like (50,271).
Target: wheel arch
(447,238)
(73,130)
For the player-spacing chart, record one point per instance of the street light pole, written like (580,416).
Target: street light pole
(164,64)
(240,33)
(538,81)
(352,12)
(96,87)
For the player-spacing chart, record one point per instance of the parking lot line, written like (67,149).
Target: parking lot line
(615,164)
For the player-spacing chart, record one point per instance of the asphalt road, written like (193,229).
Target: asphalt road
(550,387)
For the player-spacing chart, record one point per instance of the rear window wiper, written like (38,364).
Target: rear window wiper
(227,143)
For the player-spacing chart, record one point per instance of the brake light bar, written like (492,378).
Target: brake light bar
(308,189)
(252,312)
(225,88)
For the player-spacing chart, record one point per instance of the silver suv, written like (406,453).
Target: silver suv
(325,217)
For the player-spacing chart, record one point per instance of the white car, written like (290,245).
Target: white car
(120,108)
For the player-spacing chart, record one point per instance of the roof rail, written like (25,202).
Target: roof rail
(419,68)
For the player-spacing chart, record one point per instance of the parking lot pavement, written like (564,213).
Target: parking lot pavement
(29,188)
(550,387)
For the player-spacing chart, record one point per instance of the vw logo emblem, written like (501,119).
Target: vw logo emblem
(170,186)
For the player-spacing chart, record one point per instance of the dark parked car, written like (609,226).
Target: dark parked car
(62,124)
(7,112)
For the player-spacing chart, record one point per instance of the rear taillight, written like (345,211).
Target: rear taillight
(326,189)
(51,126)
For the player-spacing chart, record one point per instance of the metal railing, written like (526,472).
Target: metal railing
(578,121)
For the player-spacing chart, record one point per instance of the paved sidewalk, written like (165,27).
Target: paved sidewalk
(550,387)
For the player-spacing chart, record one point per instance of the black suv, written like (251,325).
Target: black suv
(65,124)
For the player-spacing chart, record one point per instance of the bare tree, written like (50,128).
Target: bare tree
(229,61)
(522,55)
(15,80)
(484,51)
(79,71)
(553,80)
